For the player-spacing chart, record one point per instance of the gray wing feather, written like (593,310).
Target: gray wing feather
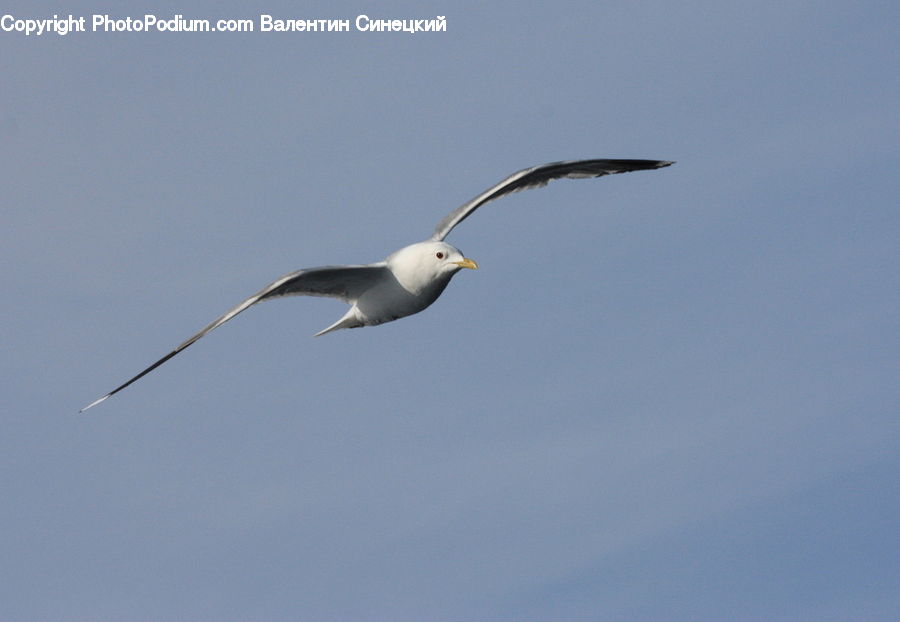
(538,176)
(344,282)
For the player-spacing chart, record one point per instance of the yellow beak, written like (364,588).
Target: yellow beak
(467,263)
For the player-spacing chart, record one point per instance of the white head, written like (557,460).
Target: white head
(425,264)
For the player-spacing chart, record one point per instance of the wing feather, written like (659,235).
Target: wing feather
(538,176)
(344,282)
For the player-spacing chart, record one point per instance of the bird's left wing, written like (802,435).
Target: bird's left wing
(344,282)
(538,176)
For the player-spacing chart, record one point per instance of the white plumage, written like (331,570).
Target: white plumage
(410,279)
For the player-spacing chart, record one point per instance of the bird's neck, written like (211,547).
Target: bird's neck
(422,282)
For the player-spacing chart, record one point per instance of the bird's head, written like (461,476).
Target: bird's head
(420,265)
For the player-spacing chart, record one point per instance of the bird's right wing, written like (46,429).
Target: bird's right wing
(344,282)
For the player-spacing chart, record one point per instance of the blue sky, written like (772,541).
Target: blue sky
(668,395)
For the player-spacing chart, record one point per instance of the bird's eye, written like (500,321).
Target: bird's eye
(439,255)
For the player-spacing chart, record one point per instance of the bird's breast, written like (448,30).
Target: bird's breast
(390,300)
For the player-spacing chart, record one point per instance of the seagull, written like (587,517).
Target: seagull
(410,279)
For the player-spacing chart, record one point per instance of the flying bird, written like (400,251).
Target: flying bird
(409,279)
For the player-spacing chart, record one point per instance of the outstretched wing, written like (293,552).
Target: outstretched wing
(538,176)
(344,282)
